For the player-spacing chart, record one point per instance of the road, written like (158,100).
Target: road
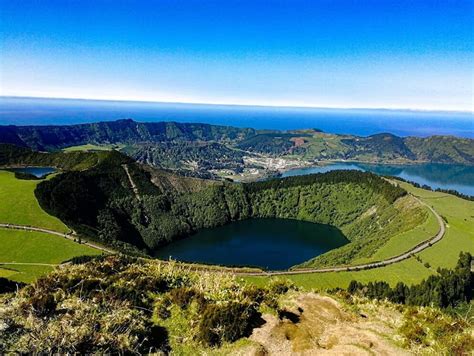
(71,237)
(416,249)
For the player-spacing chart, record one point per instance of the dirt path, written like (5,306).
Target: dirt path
(320,325)
(132,183)
(416,249)
(52,232)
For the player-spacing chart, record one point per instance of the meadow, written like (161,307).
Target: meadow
(39,251)
(19,205)
(90,147)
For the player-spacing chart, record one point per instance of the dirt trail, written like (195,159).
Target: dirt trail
(132,183)
(322,327)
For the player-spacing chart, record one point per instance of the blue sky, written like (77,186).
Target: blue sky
(323,53)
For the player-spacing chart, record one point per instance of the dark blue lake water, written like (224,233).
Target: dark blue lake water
(23,111)
(268,243)
(444,176)
(36,171)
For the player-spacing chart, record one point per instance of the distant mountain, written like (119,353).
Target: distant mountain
(120,131)
(203,147)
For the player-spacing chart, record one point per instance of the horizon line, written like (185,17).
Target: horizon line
(421,110)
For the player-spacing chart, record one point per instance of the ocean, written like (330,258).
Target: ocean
(363,122)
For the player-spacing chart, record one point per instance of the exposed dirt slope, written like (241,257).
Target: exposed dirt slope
(319,325)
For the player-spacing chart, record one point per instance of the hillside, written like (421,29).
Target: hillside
(15,156)
(123,305)
(209,151)
(100,203)
(120,131)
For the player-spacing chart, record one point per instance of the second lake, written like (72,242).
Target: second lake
(444,176)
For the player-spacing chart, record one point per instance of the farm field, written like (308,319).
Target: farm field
(19,205)
(459,236)
(38,248)
(90,147)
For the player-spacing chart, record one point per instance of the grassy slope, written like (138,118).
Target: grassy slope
(35,247)
(19,204)
(459,214)
(405,240)
(459,237)
(89,147)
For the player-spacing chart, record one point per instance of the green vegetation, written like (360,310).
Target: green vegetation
(90,147)
(271,143)
(459,214)
(100,203)
(117,304)
(448,288)
(117,132)
(188,158)
(440,332)
(195,149)
(444,254)
(14,156)
(36,248)
(19,205)
(405,240)
(443,149)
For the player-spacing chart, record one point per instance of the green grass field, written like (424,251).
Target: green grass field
(35,247)
(18,204)
(459,214)
(405,240)
(91,147)
(459,237)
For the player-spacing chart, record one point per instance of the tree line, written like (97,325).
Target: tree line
(447,288)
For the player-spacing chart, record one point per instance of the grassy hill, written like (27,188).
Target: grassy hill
(14,156)
(19,206)
(360,204)
(123,305)
(25,255)
(113,132)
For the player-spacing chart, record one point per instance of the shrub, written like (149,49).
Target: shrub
(280,287)
(182,297)
(228,322)
(43,304)
(8,286)
(163,308)
(155,339)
